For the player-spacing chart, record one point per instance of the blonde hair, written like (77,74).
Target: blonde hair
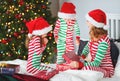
(97,32)
(27,41)
(29,38)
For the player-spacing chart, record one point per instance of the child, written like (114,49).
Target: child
(38,29)
(65,31)
(97,50)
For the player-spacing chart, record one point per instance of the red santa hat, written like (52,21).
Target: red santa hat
(97,17)
(38,26)
(67,11)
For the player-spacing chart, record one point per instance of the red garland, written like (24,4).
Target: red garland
(16,34)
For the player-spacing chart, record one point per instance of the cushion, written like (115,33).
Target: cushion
(81,46)
(117,67)
(114,52)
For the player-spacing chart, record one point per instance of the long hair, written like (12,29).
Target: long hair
(27,42)
(97,32)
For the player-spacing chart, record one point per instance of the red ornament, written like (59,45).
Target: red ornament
(43,6)
(21,2)
(4,41)
(16,34)
(24,20)
(18,16)
(22,31)
(50,34)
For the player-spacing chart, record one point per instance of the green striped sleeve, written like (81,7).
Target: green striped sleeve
(102,49)
(77,29)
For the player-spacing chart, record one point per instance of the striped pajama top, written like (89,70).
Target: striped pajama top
(34,56)
(66,31)
(100,54)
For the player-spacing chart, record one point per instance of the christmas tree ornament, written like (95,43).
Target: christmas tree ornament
(14,15)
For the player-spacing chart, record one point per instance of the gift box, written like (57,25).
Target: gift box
(71,56)
(9,68)
(63,67)
(46,74)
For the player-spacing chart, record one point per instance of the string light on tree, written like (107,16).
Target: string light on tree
(13,31)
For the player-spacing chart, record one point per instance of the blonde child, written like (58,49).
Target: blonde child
(97,49)
(66,31)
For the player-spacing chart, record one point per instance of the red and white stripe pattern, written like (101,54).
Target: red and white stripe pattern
(34,56)
(106,65)
(69,36)
(57,27)
(64,30)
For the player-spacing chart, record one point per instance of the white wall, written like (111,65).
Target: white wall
(83,6)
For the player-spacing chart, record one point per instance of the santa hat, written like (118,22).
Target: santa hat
(97,17)
(38,26)
(67,11)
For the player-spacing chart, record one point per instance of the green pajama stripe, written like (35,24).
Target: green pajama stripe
(77,29)
(61,45)
(61,41)
(102,49)
(36,62)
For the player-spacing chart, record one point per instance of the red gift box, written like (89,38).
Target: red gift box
(71,56)
(63,67)
(46,74)
(9,68)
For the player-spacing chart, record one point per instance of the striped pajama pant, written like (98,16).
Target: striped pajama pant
(63,47)
(34,64)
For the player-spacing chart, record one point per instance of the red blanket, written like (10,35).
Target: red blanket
(22,77)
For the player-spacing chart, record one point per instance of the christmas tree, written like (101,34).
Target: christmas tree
(13,16)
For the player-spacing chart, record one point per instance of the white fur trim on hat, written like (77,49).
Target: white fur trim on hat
(42,31)
(106,27)
(95,23)
(66,15)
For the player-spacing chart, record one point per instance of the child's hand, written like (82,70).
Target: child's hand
(45,40)
(74,64)
(77,41)
(56,39)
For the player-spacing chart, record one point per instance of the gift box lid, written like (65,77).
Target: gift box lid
(6,68)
